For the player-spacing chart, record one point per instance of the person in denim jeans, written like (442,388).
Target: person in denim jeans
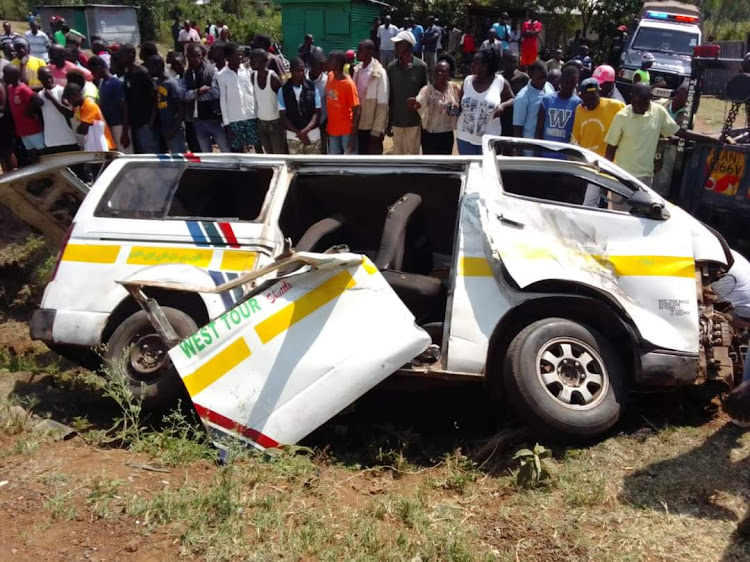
(200,89)
(139,95)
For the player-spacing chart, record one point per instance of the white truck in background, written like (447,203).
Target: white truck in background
(668,30)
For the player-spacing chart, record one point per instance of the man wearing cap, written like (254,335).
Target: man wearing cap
(634,134)
(605,74)
(618,44)
(592,120)
(406,76)
(642,74)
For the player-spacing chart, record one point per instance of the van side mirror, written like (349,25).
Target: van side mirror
(644,204)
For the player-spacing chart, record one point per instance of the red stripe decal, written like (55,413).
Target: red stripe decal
(190,157)
(231,425)
(226,230)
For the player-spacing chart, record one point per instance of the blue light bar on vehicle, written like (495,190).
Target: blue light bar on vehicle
(664,16)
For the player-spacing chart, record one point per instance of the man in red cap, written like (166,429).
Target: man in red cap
(618,45)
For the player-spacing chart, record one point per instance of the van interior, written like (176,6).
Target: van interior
(404,222)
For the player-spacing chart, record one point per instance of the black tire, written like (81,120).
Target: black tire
(582,408)
(162,387)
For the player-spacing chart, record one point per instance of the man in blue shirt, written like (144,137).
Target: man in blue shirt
(417,31)
(526,106)
(502,29)
(557,110)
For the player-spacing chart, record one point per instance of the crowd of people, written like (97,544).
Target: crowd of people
(208,92)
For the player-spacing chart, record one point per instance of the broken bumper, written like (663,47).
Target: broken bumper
(667,368)
(41,325)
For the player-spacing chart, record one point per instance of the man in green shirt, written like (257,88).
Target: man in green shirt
(58,36)
(642,74)
(635,131)
(406,76)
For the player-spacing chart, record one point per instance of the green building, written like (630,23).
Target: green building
(335,24)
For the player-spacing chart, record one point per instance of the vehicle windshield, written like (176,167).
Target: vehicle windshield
(665,40)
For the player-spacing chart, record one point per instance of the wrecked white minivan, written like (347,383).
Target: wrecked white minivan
(281,288)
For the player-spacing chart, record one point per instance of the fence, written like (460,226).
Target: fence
(714,80)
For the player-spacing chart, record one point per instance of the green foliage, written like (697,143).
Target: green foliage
(244,19)
(535,466)
(445,10)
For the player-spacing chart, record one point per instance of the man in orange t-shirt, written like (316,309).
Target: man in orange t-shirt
(530,32)
(342,103)
(87,112)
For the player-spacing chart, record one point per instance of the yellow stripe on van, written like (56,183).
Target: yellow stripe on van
(369,266)
(474,267)
(292,313)
(656,266)
(238,261)
(216,367)
(156,255)
(90,253)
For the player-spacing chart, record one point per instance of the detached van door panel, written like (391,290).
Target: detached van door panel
(281,363)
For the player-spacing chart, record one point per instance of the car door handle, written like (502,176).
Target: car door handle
(510,222)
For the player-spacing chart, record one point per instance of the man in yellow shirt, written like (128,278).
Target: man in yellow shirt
(592,120)
(28,65)
(635,131)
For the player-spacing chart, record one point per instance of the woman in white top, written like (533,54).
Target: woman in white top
(484,96)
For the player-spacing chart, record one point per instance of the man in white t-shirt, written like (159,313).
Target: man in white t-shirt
(387,47)
(58,134)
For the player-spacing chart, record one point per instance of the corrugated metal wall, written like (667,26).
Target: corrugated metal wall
(115,25)
(334,36)
(714,80)
(362,15)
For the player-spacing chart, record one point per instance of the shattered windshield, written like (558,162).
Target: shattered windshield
(665,40)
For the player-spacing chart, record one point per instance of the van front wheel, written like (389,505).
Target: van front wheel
(565,379)
(136,350)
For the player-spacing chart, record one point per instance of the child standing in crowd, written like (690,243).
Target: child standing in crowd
(169,107)
(266,85)
(58,135)
(237,101)
(24,107)
(557,111)
(319,77)
(343,107)
(299,105)
(111,100)
(91,120)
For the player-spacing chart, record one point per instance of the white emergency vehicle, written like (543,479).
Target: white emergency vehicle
(485,268)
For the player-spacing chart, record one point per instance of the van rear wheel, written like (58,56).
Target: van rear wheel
(144,359)
(565,379)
